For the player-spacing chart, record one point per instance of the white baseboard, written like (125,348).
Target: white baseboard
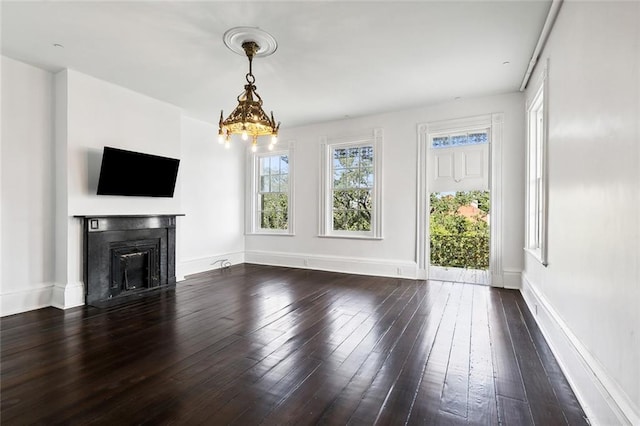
(349,265)
(67,296)
(203,264)
(26,300)
(601,398)
(512,279)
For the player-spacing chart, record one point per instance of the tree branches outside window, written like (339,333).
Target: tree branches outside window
(352,189)
(273,192)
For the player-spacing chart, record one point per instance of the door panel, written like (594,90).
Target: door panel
(460,168)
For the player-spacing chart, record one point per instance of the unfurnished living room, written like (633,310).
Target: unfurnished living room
(320,212)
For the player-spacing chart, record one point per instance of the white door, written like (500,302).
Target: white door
(462,166)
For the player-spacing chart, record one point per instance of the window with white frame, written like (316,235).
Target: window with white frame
(271,193)
(351,198)
(536,175)
(460,139)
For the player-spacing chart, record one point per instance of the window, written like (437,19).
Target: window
(536,175)
(271,199)
(471,138)
(351,197)
(352,188)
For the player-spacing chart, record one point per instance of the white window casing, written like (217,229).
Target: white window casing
(342,159)
(537,182)
(257,188)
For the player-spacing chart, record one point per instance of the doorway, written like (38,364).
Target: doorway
(459,209)
(459,231)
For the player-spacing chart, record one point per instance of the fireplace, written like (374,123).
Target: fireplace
(127,257)
(134,266)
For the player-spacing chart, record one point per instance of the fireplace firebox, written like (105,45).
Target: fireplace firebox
(127,257)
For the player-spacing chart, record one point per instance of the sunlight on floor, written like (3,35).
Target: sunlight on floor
(460,275)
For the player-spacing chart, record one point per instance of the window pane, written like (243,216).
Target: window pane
(440,142)
(341,200)
(264,184)
(337,178)
(354,156)
(264,166)
(366,199)
(275,183)
(356,220)
(274,164)
(459,140)
(273,220)
(284,183)
(284,164)
(360,220)
(339,158)
(350,178)
(478,138)
(273,213)
(339,220)
(273,201)
(369,178)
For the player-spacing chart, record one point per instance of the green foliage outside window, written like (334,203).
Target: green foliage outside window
(352,170)
(273,192)
(459,230)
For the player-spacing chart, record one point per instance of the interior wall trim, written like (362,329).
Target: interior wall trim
(494,122)
(25,300)
(349,265)
(512,279)
(202,264)
(602,399)
(65,296)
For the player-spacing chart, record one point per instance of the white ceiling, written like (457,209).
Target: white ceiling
(334,58)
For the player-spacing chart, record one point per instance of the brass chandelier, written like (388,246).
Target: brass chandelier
(248,118)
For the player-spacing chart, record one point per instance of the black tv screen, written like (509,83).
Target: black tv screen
(136,174)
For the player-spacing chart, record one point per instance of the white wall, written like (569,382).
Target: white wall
(212,180)
(103,114)
(91,114)
(398,248)
(53,132)
(27,191)
(589,295)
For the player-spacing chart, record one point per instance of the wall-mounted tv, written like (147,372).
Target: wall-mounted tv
(136,174)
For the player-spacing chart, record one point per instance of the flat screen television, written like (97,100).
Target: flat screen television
(136,174)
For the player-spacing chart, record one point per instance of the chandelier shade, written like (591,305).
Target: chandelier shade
(248,119)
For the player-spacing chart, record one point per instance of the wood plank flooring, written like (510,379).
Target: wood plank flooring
(266,345)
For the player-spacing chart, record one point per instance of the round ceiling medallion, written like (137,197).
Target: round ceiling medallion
(234,38)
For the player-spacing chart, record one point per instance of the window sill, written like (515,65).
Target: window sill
(271,234)
(536,255)
(352,237)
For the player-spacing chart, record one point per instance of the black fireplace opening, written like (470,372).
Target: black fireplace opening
(135,266)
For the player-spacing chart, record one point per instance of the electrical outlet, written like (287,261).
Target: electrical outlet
(306,262)
(399,271)
(536,308)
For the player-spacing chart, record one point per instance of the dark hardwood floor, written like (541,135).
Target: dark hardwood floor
(265,345)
